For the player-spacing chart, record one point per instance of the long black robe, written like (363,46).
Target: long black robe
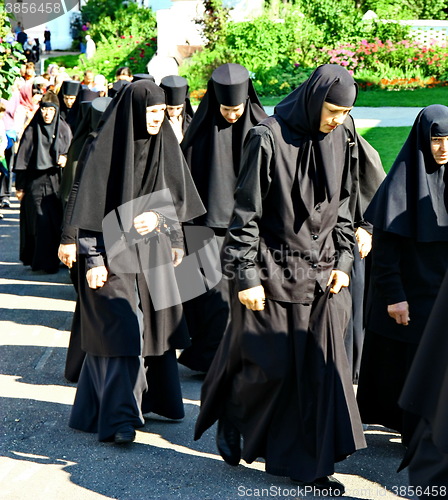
(367,174)
(409,260)
(426,394)
(84,136)
(291,226)
(213,149)
(40,208)
(118,322)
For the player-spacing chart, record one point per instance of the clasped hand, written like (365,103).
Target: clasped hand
(338,279)
(399,312)
(253,298)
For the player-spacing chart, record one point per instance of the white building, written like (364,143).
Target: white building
(175,22)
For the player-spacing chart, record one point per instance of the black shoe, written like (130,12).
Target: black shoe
(228,442)
(125,435)
(327,486)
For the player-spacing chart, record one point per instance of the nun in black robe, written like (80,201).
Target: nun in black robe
(280,377)
(75,114)
(42,152)
(85,134)
(409,260)
(178,105)
(124,166)
(67,98)
(213,149)
(426,394)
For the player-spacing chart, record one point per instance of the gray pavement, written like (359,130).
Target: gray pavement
(378,117)
(41,458)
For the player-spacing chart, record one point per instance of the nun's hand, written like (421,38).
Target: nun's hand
(67,254)
(253,298)
(146,222)
(62,160)
(399,312)
(20,193)
(364,239)
(338,279)
(178,255)
(96,277)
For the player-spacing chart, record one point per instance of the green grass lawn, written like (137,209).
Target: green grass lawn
(67,61)
(388,141)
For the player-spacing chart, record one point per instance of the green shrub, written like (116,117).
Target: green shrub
(126,38)
(125,51)
(10,57)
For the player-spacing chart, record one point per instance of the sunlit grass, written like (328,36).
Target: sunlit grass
(388,141)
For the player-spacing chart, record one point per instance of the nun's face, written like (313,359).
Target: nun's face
(48,114)
(332,116)
(69,100)
(439,149)
(154,118)
(175,111)
(232,113)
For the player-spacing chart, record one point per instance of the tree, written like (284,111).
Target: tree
(406,9)
(10,57)
(213,22)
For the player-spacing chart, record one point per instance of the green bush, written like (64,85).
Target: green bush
(133,20)
(10,57)
(389,60)
(266,47)
(339,20)
(126,38)
(125,51)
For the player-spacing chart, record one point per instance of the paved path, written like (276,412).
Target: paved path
(41,458)
(378,117)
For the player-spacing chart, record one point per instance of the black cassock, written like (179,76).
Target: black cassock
(367,173)
(409,261)
(281,375)
(425,394)
(39,175)
(119,325)
(213,149)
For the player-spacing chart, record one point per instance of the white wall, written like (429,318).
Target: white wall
(60,32)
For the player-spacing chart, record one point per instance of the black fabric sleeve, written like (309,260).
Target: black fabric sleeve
(344,231)
(91,244)
(242,240)
(386,250)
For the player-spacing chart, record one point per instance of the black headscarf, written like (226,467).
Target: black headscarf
(42,143)
(125,162)
(116,87)
(70,88)
(74,117)
(412,201)
(213,147)
(301,112)
(92,112)
(176,90)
